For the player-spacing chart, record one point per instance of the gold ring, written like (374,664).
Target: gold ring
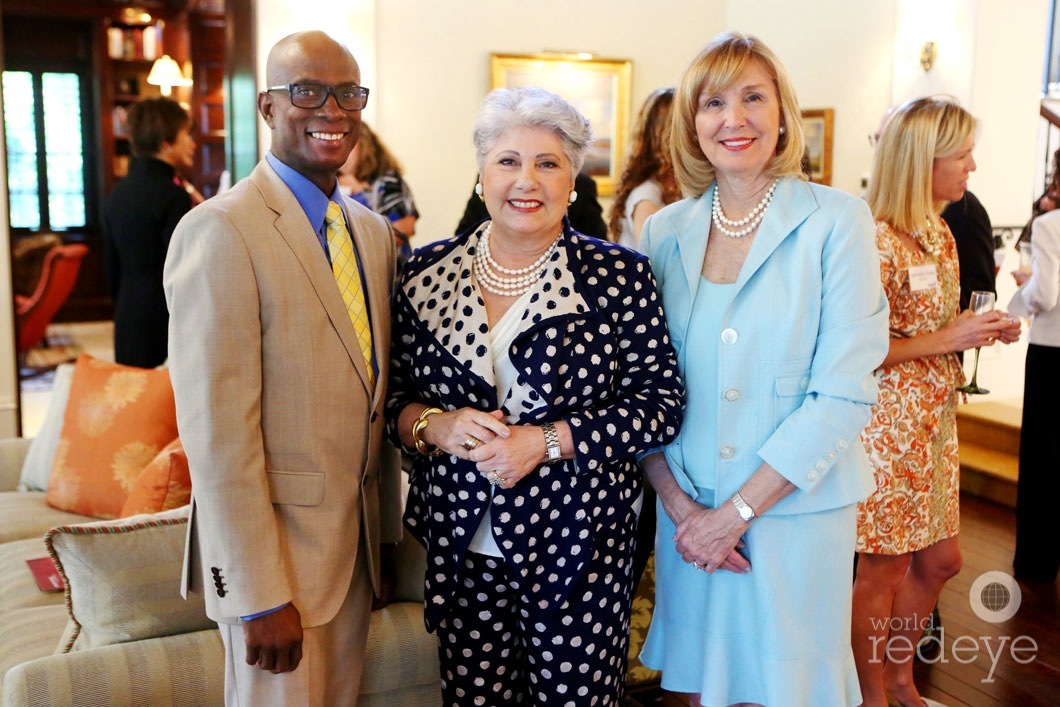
(471,442)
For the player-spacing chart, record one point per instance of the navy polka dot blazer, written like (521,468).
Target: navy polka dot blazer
(592,349)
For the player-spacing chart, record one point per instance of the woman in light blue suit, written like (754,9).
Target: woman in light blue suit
(771,290)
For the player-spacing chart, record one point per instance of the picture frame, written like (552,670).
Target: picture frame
(599,88)
(817,124)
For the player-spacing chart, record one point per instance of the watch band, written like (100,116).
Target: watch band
(552,448)
(747,514)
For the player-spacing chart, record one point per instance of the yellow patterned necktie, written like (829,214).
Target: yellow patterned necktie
(344,266)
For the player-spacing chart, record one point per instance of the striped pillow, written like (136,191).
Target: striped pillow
(123,579)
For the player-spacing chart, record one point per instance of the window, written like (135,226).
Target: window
(44,129)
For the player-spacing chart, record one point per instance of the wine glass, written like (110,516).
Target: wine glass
(980,302)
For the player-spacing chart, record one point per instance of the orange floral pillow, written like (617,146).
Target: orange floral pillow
(117,419)
(163,485)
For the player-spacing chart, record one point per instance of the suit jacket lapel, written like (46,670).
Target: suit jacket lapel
(692,234)
(294,228)
(792,203)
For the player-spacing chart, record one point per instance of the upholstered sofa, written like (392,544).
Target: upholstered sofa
(173,666)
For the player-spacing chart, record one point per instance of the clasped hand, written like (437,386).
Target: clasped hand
(502,453)
(709,538)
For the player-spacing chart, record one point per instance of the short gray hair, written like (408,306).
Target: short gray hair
(531,107)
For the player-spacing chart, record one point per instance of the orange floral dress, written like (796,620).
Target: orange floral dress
(912,437)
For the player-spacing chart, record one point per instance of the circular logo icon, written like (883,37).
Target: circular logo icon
(995,597)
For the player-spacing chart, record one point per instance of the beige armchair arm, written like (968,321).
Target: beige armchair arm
(183,671)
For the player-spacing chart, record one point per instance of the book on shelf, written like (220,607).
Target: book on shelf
(135,42)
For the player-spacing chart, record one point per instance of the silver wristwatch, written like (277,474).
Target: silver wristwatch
(552,450)
(747,514)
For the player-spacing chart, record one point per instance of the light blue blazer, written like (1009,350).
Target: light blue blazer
(806,329)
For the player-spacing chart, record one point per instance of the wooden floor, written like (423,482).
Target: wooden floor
(990,676)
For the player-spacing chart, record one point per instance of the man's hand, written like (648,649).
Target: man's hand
(274,641)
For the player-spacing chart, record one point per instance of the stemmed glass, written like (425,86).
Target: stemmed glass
(980,302)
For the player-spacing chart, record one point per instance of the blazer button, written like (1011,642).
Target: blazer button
(822,466)
(729,336)
(732,395)
(841,445)
(811,477)
(727,452)
(830,455)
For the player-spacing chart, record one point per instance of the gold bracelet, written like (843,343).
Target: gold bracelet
(417,429)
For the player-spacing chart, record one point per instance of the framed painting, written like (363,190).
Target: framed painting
(599,88)
(817,124)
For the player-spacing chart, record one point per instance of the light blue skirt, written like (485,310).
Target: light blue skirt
(778,635)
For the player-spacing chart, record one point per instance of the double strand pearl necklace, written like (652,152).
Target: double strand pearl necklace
(507,282)
(750,222)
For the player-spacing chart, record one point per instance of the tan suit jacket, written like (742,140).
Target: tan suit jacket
(282,432)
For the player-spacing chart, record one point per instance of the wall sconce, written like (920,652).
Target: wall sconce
(928,53)
(166,73)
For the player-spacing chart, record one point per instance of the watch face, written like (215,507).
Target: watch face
(554,453)
(746,513)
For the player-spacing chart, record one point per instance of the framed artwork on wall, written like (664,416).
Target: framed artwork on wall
(817,124)
(599,88)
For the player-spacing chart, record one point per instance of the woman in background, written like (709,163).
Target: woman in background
(1037,550)
(771,290)
(138,221)
(373,177)
(907,530)
(648,182)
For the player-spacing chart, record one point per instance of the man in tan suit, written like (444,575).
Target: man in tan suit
(278,365)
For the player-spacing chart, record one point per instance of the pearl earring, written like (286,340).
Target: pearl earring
(572,198)
(478,190)
(783,130)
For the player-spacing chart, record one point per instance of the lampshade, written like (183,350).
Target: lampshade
(166,73)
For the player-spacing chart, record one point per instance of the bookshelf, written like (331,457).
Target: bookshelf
(129,50)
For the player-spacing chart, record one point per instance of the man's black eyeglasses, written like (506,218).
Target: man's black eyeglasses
(313,95)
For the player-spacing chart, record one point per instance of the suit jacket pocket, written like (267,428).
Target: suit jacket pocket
(296,488)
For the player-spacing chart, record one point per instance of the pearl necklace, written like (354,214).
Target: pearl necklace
(507,282)
(750,221)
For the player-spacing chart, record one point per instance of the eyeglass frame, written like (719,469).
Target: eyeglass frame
(328,91)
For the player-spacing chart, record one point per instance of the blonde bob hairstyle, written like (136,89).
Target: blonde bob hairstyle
(715,69)
(919,132)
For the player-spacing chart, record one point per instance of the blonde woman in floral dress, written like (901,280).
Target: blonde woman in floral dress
(907,530)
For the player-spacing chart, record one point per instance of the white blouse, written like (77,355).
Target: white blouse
(1038,296)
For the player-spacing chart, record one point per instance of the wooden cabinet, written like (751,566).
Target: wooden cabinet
(126,53)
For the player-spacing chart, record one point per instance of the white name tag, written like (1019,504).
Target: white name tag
(923,277)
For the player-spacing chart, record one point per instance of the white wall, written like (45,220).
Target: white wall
(427,64)
(434,70)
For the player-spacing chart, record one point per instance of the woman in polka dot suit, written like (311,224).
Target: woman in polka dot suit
(531,365)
